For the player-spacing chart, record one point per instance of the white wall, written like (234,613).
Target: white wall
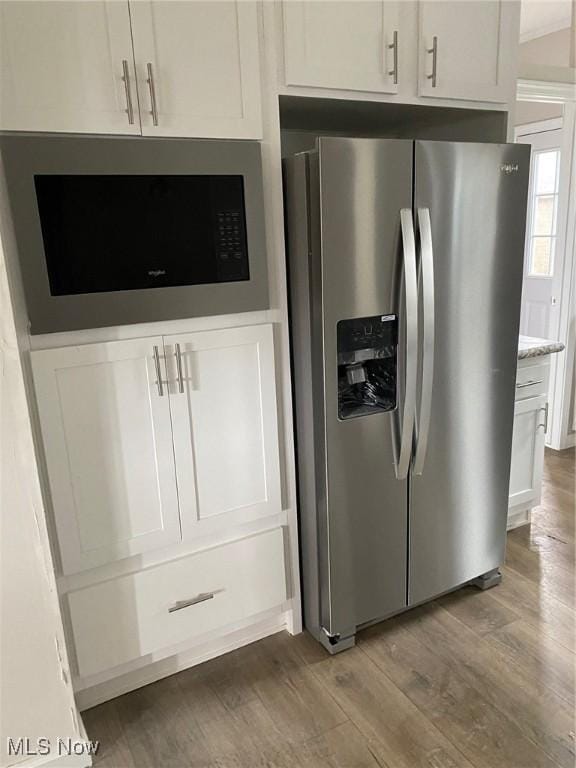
(36,697)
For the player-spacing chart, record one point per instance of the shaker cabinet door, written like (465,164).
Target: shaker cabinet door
(198,67)
(466,49)
(528,444)
(223,405)
(348,45)
(62,66)
(108,445)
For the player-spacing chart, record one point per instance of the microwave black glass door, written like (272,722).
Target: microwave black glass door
(114,233)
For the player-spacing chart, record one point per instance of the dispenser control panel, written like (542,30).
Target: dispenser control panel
(367,358)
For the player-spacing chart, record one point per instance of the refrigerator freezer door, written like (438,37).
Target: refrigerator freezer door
(476,194)
(363,185)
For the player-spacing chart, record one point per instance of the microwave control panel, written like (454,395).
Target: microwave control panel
(231,245)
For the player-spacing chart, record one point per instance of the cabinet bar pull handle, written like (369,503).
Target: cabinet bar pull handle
(201,598)
(434,52)
(153,105)
(158,372)
(529,384)
(393,46)
(545,425)
(179,369)
(126,78)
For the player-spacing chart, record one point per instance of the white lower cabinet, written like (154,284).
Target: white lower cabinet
(135,463)
(143,613)
(108,446)
(528,440)
(163,448)
(223,404)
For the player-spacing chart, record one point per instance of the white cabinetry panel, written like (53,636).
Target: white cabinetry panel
(475,44)
(225,428)
(61,67)
(343,45)
(205,67)
(527,451)
(108,446)
(116,621)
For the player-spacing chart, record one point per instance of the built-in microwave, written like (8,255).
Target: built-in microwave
(113,230)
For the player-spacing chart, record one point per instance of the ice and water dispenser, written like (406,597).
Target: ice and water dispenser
(367,362)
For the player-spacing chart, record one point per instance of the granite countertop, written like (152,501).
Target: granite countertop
(530,346)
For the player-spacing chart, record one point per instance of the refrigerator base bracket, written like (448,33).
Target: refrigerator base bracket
(336,643)
(487,580)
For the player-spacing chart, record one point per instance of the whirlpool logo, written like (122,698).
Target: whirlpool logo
(509,168)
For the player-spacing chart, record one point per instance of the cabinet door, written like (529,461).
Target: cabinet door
(527,451)
(339,44)
(474,50)
(224,425)
(108,444)
(61,66)
(198,67)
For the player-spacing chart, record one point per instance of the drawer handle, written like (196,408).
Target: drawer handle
(201,598)
(529,384)
(545,425)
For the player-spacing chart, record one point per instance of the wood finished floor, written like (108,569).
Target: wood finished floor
(482,679)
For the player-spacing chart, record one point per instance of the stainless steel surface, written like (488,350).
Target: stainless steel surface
(25,155)
(434,52)
(393,46)
(426,284)
(152,89)
(529,383)
(193,601)
(159,382)
(344,263)
(545,425)
(458,506)
(373,544)
(404,428)
(126,79)
(178,354)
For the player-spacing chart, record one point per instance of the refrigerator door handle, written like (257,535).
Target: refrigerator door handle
(404,433)
(426,280)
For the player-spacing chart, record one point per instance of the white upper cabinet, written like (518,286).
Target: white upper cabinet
(108,445)
(223,404)
(160,67)
(62,66)
(198,67)
(467,49)
(348,45)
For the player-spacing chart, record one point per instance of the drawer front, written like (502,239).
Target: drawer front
(532,381)
(123,619)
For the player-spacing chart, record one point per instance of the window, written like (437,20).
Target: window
(543,212)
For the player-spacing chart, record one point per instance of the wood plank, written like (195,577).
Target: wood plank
(542,568)
(300,706)
(114,749)
(398,733)
(539,655)
(342,747)
(541,715)
(483,733)
(536,606)
(472,608)
(163,735)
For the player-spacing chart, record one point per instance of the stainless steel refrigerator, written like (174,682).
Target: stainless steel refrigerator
(405,270)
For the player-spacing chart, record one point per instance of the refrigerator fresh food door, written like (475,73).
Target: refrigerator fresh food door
(369,324)
(472,244)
